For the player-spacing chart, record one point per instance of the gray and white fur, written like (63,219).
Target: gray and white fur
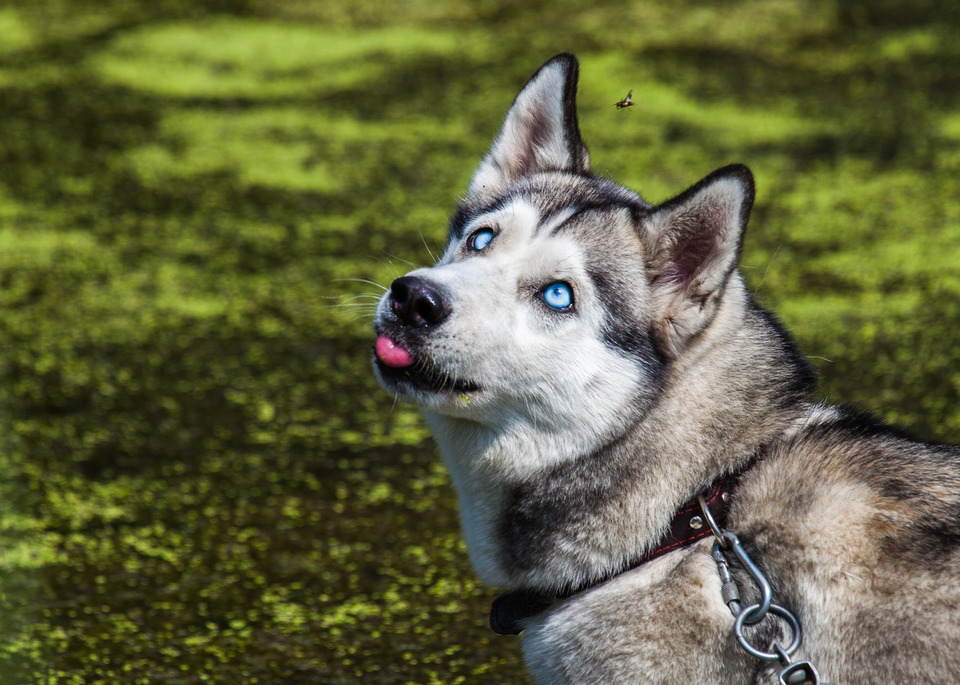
(574,432)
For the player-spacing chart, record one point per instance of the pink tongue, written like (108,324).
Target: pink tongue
(391,354)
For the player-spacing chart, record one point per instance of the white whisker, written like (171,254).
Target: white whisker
(364,296)
(769,264)
(363,280)
(412,265)
(429,251)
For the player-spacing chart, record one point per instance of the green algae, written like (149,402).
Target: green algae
(201,201)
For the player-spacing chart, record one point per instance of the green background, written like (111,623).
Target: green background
(200,481)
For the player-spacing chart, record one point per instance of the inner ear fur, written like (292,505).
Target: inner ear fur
(692,246)
(540,132)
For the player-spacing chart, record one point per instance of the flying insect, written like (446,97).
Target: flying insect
(626,102)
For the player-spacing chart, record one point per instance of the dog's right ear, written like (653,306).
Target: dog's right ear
(540,132)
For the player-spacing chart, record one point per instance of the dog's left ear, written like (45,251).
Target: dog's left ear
(692,246)
(540,132)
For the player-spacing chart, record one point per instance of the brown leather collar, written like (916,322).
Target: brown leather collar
(688,526)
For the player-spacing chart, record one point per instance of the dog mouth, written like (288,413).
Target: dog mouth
(402,369)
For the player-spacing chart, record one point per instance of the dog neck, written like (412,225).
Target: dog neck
(582,518)
(688,526)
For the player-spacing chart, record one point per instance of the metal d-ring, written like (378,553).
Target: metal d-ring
(768,656)
(717,533)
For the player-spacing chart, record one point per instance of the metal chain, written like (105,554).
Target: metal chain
(792,673)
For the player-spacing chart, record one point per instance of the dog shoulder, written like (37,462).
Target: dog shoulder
(858,524)
(859,479)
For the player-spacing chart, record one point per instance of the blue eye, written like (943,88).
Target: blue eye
(480,239)
(558,296)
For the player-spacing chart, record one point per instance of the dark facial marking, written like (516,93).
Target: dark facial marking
(623,333)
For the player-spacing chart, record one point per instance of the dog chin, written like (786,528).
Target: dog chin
(425,385)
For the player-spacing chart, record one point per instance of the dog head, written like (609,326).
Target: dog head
(562,299)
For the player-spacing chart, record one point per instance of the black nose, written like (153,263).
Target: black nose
(418,302)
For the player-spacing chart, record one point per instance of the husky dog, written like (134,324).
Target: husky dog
(588,363)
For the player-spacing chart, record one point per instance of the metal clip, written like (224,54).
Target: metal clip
(727,540)
(755,612)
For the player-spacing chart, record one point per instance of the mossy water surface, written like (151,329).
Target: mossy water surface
(202,481)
